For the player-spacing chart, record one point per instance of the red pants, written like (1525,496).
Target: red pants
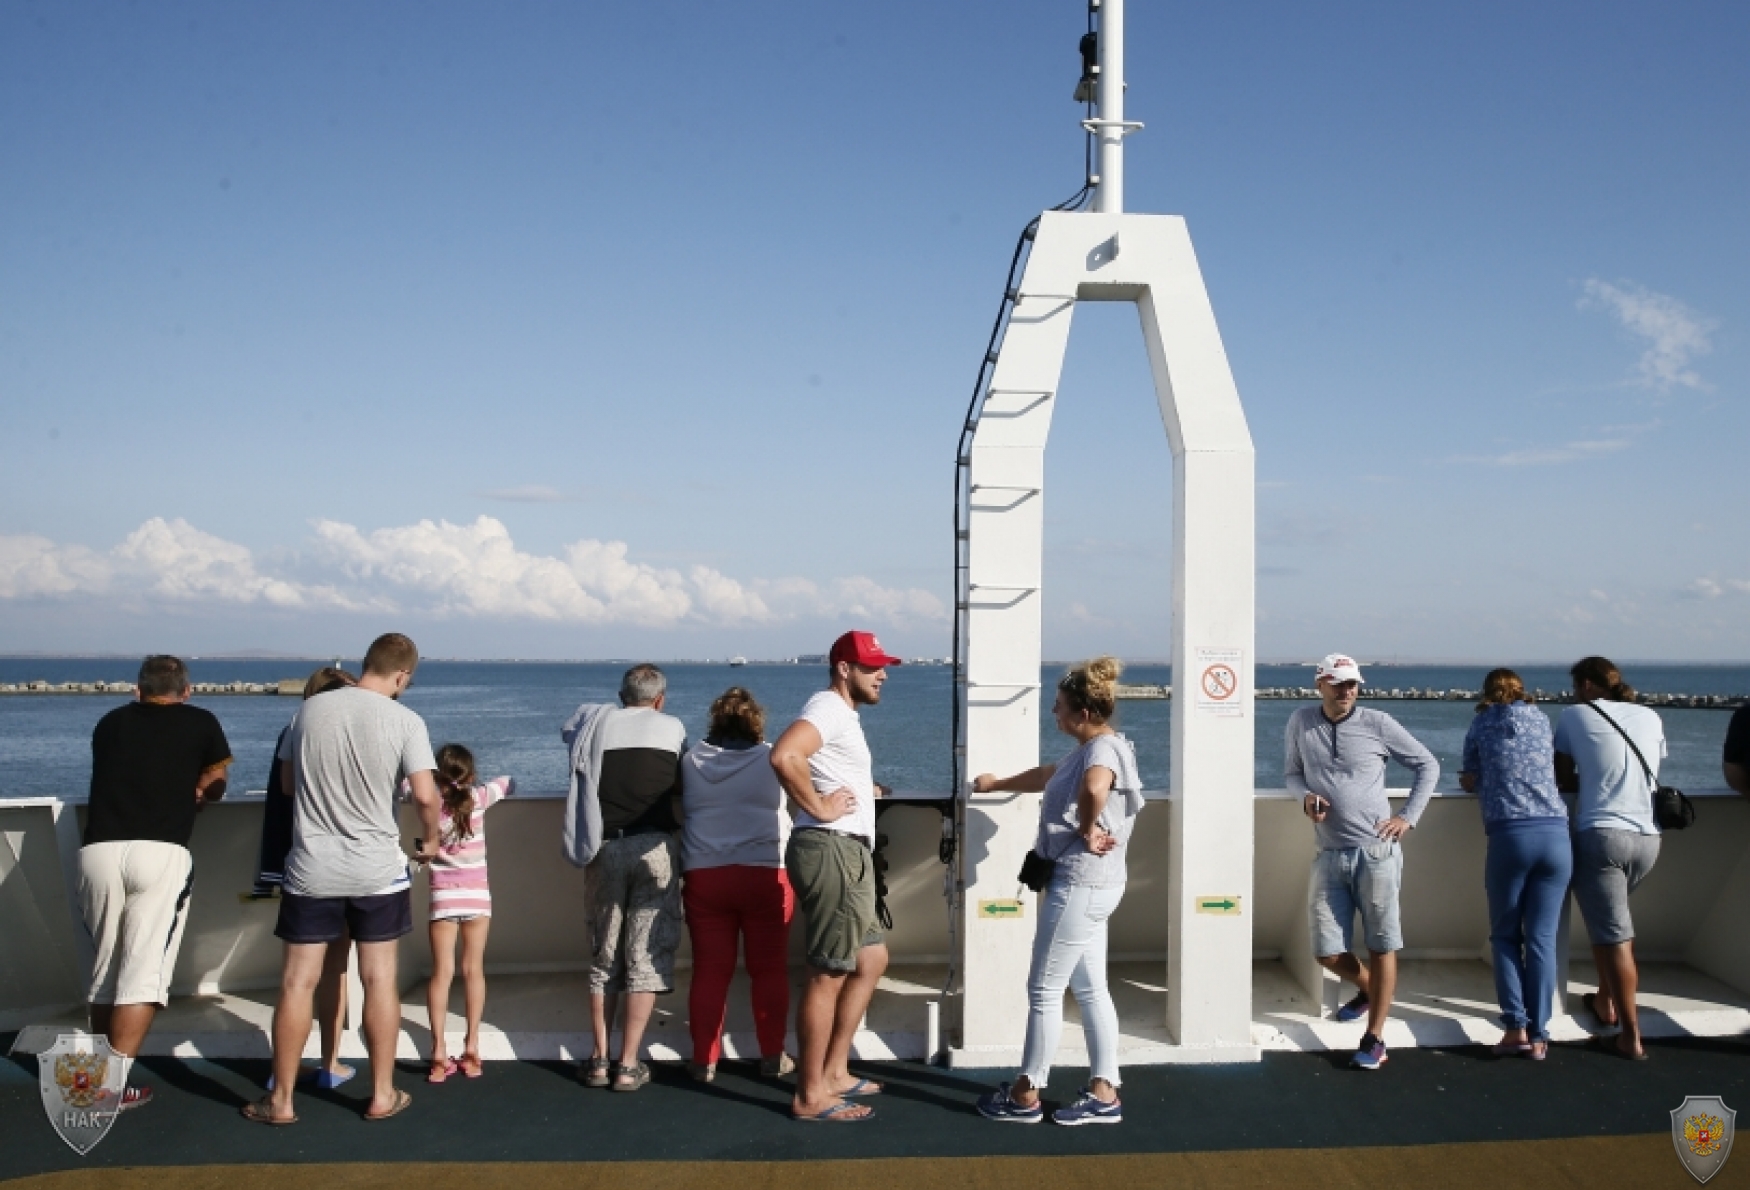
(722,905)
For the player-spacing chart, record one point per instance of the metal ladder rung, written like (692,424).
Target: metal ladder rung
(1004,487)
(999,587)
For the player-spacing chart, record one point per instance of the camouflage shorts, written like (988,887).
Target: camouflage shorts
(634,890)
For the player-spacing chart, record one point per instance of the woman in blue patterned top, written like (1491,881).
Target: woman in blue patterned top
(1509,763)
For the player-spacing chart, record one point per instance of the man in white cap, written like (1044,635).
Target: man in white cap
(1335,759)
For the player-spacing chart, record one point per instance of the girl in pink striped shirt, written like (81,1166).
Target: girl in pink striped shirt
(461,903)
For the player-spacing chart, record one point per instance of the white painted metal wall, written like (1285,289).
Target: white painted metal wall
(1147,260)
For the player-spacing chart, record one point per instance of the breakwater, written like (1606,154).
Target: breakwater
(1724,702)
(294,687)
(291,686)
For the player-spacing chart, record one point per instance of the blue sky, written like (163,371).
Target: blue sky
(598,330)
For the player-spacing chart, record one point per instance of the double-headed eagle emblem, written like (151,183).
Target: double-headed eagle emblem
(81,1078)
(1704,1134)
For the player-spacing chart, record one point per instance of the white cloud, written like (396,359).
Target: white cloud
(164,561)
(440,570)
(1708,588)
(1544,456)
(1674,333)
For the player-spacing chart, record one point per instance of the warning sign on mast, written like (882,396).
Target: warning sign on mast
(1216,676)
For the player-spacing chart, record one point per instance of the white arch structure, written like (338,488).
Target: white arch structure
(1147,260)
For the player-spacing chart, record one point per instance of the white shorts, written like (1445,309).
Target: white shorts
(134,897)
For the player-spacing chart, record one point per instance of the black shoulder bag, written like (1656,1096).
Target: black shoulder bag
(1671,810)
(1036,871)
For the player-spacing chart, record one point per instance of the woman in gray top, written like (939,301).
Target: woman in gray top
(1092,798)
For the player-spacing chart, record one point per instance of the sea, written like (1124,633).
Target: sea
(509,713)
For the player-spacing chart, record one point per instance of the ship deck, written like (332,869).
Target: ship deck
(1435,1117)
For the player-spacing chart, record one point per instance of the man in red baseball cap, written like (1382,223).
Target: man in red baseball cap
(823,762)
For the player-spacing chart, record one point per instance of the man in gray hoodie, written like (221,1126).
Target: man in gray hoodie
(1335,759)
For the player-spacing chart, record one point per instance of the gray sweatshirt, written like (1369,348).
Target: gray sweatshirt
(1344,762)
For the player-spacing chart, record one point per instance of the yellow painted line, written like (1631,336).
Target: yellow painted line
(1581,1163)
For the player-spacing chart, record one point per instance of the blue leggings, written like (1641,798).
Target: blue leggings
(1527,876)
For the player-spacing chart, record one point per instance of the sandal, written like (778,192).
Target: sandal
(777,1067)
(471,1066)
(1590,1003)
(702,1072)
(402,1101)
(596,1072)
(441,1068)
(636,1075)
(261,1112)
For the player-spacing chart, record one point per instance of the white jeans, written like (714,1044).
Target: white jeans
(1069,950)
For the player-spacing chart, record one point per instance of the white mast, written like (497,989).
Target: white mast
(1108,126)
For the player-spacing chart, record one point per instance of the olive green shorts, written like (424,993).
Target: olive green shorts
(834,878)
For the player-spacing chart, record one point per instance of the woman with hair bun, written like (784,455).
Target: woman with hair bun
(1509,763)
(1616,838)
(1092,798)
(732,849)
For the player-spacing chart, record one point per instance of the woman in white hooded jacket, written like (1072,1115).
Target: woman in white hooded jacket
(732,847)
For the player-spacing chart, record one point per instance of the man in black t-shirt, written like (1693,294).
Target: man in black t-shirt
(1737,763)
(154,763)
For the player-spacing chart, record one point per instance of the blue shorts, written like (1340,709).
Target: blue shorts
(1348,880)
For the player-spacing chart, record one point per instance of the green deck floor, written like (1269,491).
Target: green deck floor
(1294,1105)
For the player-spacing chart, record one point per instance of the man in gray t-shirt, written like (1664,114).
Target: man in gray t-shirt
(1334,757)
(346,876)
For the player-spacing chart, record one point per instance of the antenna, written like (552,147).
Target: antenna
(1109,125)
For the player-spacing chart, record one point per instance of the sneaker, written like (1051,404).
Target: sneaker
(777,1067)
(133,1097)
(999,1105)
(1371,1055)
(1354,1010)
(1090,1110)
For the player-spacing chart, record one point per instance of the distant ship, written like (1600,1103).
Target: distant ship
(738,661)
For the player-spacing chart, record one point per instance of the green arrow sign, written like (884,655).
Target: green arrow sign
(1228,906)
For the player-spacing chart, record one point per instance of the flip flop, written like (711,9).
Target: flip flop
(441,1070)
(1589,1002)
(861,1087)
(1607,1045)
(402,1101)
(261,1112)
(836,1114)
(319,1077)
(471,1066)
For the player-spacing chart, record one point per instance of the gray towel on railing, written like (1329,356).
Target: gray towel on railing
(583,807)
